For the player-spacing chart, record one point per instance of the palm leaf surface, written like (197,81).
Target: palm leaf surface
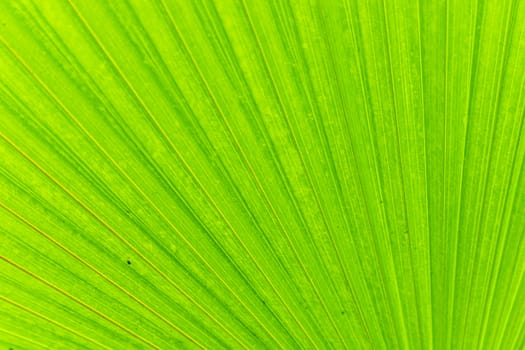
(250,174)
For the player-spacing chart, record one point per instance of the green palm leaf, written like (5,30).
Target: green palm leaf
(262,174)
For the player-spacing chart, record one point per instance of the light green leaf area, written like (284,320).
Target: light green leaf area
(245,174)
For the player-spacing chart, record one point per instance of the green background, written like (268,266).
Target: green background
(262,174)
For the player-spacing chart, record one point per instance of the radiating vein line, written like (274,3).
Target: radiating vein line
(222,113)
(304,159)
(102,275)
(314,106)
(32,341)
(118,235)
(200,221)
(216,207)
(404,169)
(493,115)
(337,179)
(357,39)
(195,216)
(514,298)
(149,201)
(478,15)
(80,302)
(502,232)
(281,104)
(445,231)
(264,131)
(404,336)
(122,239)
(289,192)
(186,166)
(430,341)
(50,320)
(242,80)
(376,137)
(415,256)
(144,196)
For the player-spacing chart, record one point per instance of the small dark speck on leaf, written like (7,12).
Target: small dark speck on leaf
(342,312)
(129,262)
